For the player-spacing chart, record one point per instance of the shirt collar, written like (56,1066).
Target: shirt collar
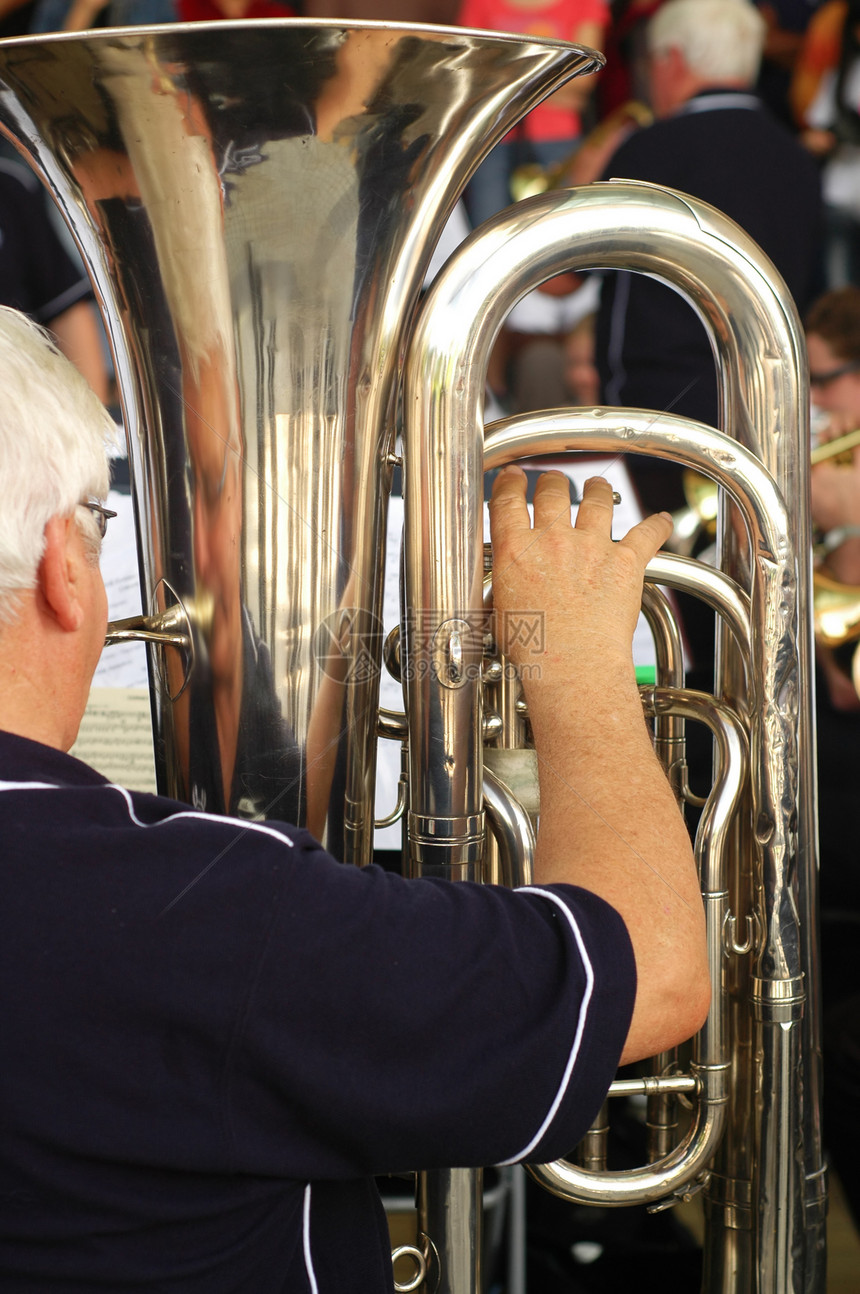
(718,97)
(22,759)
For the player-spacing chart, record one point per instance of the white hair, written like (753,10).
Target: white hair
(719,39)
(55,436)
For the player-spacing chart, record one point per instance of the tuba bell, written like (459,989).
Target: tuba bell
(257,204)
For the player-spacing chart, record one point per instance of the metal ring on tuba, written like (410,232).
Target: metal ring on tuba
(257,205)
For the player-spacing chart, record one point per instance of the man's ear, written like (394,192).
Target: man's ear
(59,573)
(678,63)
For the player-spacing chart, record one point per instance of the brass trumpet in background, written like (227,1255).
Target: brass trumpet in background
(836,619)
(835,606)
(836,610)
(840,448)
(699,517)
(531,178)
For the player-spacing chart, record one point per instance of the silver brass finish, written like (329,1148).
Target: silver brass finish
(257,204)
(772,1139)
(675,1171)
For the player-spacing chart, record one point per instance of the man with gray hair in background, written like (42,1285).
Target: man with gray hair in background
(714,139)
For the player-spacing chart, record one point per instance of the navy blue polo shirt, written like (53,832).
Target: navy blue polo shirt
(214,1036)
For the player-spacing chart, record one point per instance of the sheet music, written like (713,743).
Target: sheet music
(115,736)
(125,664)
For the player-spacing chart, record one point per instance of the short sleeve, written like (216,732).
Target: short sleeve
(396,1024)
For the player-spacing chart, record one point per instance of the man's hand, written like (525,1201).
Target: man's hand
(608,818)
(588,587)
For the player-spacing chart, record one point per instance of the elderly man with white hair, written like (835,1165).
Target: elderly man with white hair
(714,139)
(214,1034)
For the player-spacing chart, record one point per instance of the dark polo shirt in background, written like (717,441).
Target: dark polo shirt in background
(724,147)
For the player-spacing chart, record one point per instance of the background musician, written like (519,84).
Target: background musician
(714,139)
(39,276)
(833,345)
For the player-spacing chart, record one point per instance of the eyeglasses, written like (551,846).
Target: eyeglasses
(824,379)
(101,514)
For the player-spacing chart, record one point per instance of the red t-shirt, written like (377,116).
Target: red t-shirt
(207,11)
(562,20)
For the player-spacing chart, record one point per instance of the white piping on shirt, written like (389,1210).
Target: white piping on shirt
(580,1027)
(306,1240)
(28,786)
(285,840)
(710,102)
(210,818)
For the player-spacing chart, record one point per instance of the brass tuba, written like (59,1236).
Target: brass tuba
(257,204)
(755,1143)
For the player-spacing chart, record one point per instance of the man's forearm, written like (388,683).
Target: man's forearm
(609,822)
(608,817)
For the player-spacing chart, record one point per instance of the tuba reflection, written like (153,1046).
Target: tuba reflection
(257,204)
